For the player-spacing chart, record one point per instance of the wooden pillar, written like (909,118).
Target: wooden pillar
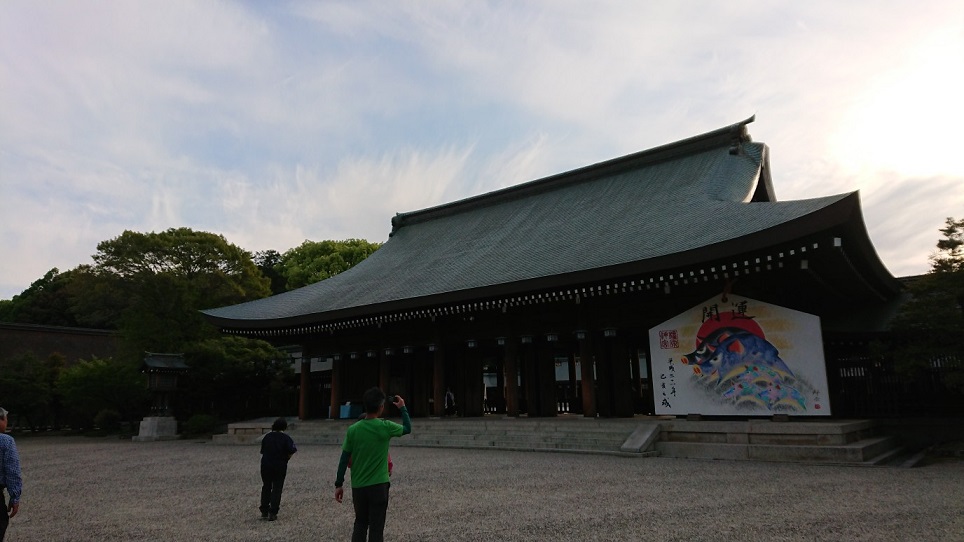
(530,387)
(438,379)
(303,390)
(571,389)
(604,396)
(637,378)
(634,358)
(621,372)
(473,385)
(337,369)
(546,375)
(384,370)
(586,365)
(510,366)
(420,388)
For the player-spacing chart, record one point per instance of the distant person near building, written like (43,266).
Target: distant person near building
(449,402)
(366,447)
(10,478)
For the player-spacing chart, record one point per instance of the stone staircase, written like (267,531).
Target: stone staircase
(538,434)
(827,442)
(584,435)
(852,442)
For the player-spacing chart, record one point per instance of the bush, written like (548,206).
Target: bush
(102,384)
(108,420)
(201,424)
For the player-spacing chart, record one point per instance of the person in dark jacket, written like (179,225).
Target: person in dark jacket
(276,449)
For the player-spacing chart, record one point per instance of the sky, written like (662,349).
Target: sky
(272,123)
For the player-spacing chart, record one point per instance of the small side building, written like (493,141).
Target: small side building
(163,371)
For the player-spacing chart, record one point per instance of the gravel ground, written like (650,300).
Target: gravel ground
(79,488)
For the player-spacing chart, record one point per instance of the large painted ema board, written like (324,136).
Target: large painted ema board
(737,356)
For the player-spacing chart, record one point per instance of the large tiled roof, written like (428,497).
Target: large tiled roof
(670,200)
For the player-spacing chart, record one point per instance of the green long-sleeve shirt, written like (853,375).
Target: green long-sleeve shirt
(366,445)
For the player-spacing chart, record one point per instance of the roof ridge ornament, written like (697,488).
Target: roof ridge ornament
(740,135)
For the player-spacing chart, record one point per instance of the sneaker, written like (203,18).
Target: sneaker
(273,517)
(264,516)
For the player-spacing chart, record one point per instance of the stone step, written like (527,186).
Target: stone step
(854,453)
(833,441)
(767,432)
(500,445)
(894,457)
(569,440)
(512,434)
(589,434)
(521,428)
(488,440)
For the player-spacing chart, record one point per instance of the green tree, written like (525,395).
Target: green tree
(313,261)
(268,261)
(92,386)
(950,250)
(233,377)
(161,280)
(26,386)
(44,302)
(929,329)
(96,299)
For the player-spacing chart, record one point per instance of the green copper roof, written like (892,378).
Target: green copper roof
(160,362)
(669,200)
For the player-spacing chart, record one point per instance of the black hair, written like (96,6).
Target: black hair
(373,398)
(279,425)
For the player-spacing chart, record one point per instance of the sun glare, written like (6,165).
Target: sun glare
(908,120)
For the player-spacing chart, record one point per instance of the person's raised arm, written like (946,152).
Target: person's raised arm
(406,419)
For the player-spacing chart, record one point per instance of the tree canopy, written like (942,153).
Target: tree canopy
(234,377)
(28,388)
(46,301)
(95,385)
(312,261)
(929,329)
(268,261)
(151,287)
(950,250)
(164,279)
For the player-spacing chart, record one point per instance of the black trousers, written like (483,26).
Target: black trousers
(5,519)
(371,507)
(273,482)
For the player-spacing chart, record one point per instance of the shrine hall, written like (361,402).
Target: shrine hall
(669,281)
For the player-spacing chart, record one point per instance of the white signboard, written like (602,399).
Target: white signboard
(739,357)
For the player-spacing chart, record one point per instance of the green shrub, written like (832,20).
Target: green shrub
(96,385)
(201,424)
(108,420)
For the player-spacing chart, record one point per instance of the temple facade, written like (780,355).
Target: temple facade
(589,291)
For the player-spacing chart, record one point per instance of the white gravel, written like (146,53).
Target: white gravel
(79,489)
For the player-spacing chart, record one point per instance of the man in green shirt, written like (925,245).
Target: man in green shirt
(366,446)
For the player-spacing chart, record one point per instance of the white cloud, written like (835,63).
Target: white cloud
(904,215)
